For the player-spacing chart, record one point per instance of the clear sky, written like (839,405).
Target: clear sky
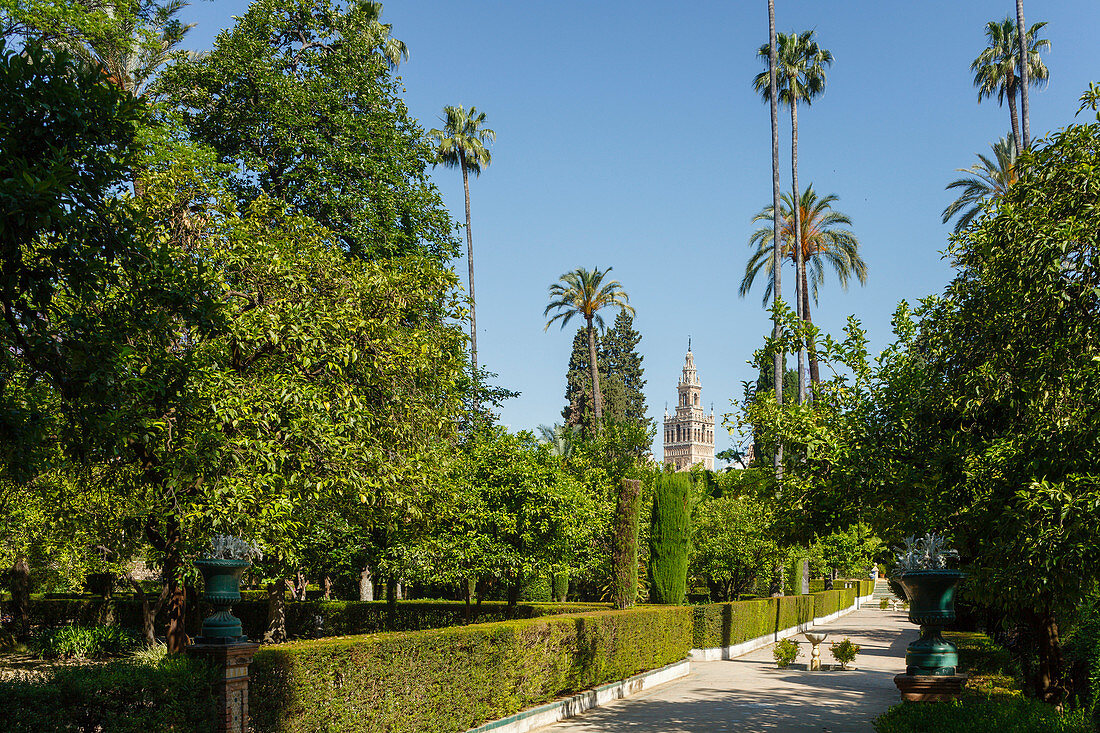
(628,135)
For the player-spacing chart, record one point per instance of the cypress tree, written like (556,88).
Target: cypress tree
(670,537)
(579,409)
(625,557)
(624,366)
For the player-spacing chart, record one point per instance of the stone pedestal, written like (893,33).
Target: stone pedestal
(929,688)
(231,684)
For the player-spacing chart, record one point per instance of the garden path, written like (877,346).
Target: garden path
(750,694)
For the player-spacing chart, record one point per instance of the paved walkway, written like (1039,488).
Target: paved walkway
(751,694)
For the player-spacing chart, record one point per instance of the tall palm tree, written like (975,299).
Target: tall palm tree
(1022,52)
(393,50)
(826,240)
(987,179)
(778,358)
(800,75)
(464,143)
(584,292)
(997,68)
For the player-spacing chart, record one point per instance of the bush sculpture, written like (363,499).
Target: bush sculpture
(670,538)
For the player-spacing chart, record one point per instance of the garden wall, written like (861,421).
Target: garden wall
(456,678)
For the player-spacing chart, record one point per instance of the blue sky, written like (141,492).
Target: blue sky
(628,135)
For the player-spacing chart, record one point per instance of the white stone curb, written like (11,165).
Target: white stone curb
(561,709)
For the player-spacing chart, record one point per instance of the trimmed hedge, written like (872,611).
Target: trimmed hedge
(309,619)
(120,697)
(456,678)
(969,714)
(725,624)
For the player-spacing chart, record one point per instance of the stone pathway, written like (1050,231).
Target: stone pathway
(751,694)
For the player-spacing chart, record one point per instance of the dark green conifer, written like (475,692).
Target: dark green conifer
(670,537)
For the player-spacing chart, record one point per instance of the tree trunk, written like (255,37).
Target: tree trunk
(467,593)
(366,585)
(148,615)
(513,591)
(326,585)
(597,398)
(799,255)
(1021,29)
(470,265)
(777,254)
(815,372)
(20,587)
(276,613)
(177,591)
(398,591)
(1010,92)
(1047,684)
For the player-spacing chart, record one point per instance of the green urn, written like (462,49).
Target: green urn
(222,582)
(931,595)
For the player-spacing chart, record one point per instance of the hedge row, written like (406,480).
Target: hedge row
(457,678)
(307,619)
(120,697)
(866,587)
(726,624)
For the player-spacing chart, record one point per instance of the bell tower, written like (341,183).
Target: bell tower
(689,433)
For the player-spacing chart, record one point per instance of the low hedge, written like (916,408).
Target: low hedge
(456,678)
(794,610)
(725,624)
(119,697)
(975,713)
(306,619)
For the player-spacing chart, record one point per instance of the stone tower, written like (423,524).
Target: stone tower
(689,434)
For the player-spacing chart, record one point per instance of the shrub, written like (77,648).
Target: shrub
(785,652)
(119,697)
(670,538)
(725,624)
(84,642)
(454,679)
(883,603)
(978,713)
(844,651)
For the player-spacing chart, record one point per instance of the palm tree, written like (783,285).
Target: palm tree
(584,291)
(826,240)
(987,179)
(393,50)
(1022,52)
(143,37)
(800,75)
(778,358)
(464,143)
(996,68)
(558,438)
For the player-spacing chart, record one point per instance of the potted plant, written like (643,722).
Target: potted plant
(221,569)
(930,589)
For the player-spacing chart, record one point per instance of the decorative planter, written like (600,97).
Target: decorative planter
(222,580)
(931,595)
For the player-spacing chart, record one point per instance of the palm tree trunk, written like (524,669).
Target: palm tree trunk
(1010,92)
(815,373)
(1021,29)
(470,265)
(777,254)
(597,398)
(797,244)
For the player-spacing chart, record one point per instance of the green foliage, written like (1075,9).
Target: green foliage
(844,651)
(670,537)
(121,697)
(625,560)
(785,652)
(851,551)
(455,679)
(973,713)
(732,545)
(303,104)
(84,642)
